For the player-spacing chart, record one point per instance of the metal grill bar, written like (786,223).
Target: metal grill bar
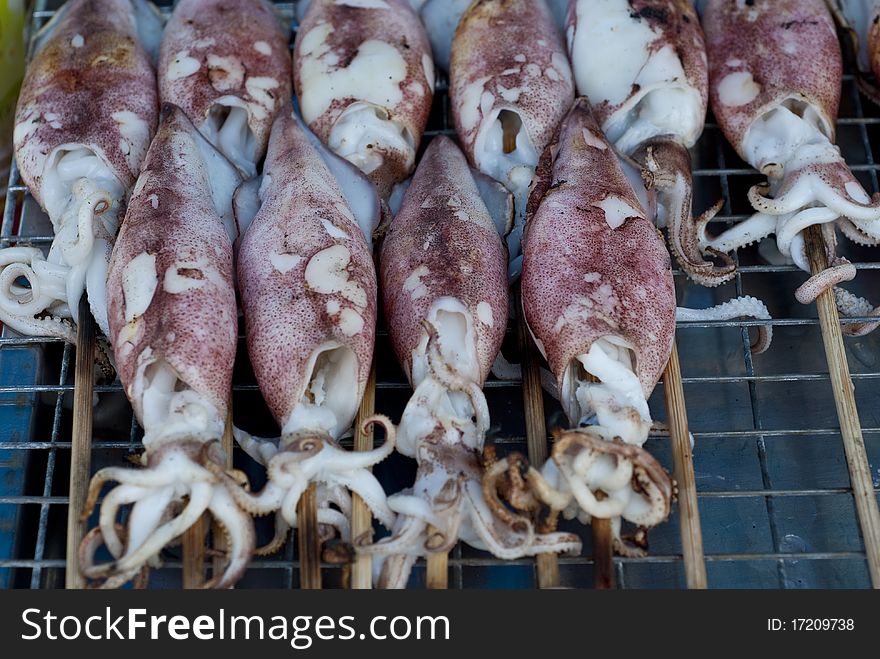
(756,507)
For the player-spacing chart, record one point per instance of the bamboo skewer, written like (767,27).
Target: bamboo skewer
(546,565)
(219,536)
(683,472)
(361,520)
(194,553)
(81,441)
(603,553)
(309,542)
(437,577)
(603,545)
(847,412)
(194,538)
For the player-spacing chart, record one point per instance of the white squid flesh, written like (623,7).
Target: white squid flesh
(364,78)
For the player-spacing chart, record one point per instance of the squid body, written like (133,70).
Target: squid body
(173,326)
(648,86)
(85,117)
(599,299)
(308,291)
(444,284)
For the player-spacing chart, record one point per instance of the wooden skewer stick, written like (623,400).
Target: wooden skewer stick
(603,545)
(219,562)
(547,565)
(361,520)
(194,547)
(194,551)
(81,440)
(847,413)
(309,542)
(683,472)
(437,577)
(603,553)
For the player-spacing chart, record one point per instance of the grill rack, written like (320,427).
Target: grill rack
(774,495)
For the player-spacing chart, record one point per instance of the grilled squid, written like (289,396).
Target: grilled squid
(648,86)
(173,325)
(84,120)
(445,295)
(364,79)
(510,86)
(308,291)
(861,18)
(226,64)
(599,300)
(775,78)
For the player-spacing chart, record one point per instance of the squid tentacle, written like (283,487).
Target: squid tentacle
(742,234)
(746,306)
(856,235)
(850,305)
(669,166)
(240,538)
(509,543)
(282,531)
(413,514)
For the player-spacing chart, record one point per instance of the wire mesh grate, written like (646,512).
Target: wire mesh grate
(772,484)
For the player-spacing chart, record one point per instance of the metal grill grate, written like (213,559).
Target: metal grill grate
(773,489)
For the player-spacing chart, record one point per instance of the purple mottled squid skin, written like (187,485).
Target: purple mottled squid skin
(91,84)
(582,278)
(509,55)
(213,49)
(790,49)
(330,38)
(171,217)
(444,244)
(290,313)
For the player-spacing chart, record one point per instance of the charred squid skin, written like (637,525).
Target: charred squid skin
(364,78)
(85,116)
(779,115)
(173,325)
(226,64)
